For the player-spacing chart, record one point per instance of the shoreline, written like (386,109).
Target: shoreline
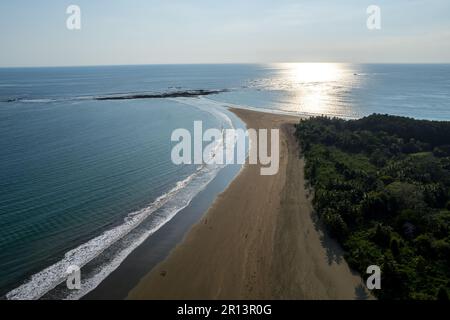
(258,240)
(158,246)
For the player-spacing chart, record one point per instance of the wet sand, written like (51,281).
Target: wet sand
(259,239)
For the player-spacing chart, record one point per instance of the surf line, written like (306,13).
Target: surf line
(218,150)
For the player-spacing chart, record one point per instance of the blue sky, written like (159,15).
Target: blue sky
(34,33)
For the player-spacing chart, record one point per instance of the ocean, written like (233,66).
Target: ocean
(85,168)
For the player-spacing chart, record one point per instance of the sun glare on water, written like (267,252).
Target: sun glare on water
(313,72)
(313,85)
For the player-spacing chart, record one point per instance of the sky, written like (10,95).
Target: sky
(34,33)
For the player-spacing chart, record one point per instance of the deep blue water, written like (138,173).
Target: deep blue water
(72,168)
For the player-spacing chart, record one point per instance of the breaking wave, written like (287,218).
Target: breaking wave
(107,251)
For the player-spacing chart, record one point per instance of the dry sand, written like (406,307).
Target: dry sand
(257,241)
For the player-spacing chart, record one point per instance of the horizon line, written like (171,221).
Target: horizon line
(208,63)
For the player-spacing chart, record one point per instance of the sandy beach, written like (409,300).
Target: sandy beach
(259,240)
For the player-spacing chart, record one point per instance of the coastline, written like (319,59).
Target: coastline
(158,245)
(258,240)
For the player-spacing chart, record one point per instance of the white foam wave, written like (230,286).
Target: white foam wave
(37,100)
(50,277)
(213,107)
(204,102)
(173,206)
(170,203)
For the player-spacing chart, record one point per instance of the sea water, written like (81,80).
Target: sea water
(84,181)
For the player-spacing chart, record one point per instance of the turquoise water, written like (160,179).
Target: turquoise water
(75,170)
(84,180)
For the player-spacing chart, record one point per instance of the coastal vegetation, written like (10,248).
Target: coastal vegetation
(382,189)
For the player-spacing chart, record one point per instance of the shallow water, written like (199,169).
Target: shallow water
(85,181)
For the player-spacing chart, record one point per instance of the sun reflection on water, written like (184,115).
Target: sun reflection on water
(314,87)
(313,72)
